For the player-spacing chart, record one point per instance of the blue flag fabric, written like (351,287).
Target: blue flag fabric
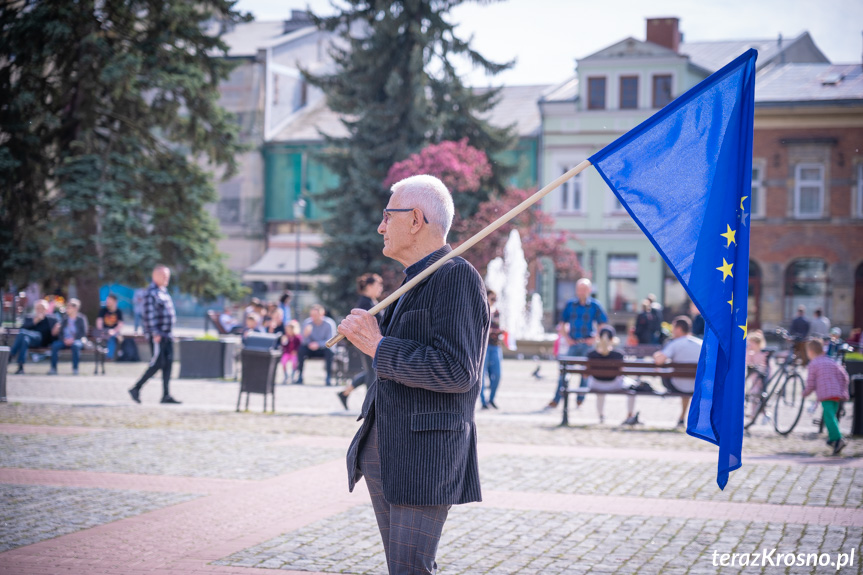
(685,176)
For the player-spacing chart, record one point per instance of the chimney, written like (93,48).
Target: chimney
(664,31)
(299,19)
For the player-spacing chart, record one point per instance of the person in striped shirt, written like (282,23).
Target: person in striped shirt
(829,381)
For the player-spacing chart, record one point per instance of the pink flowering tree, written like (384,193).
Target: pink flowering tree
(466,171)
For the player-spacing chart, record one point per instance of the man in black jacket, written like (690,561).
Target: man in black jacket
(417,444)
(36,332)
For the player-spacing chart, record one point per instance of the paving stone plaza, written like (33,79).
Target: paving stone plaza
(93,483)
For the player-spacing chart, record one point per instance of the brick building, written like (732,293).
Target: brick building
(807,189)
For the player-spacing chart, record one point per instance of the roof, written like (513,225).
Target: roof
(516,105)
(245,39)
(811,83)
(566,91)
(631,48)
(279,262)
(714,55)
(309,121)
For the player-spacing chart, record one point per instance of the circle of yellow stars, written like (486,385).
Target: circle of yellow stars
(727,268)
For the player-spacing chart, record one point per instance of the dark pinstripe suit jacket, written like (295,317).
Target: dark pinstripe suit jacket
(428,376)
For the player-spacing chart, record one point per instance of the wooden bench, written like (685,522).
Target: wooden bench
(612,368)
(96,343)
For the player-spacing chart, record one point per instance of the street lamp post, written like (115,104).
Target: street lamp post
(299,214)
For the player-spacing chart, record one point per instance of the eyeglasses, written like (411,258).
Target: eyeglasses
(387,211)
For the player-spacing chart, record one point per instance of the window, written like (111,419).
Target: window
(808,190)
(661,90)
(228,210)
(622,282)
(757,195)
(806,285)
(628,92)
(596,93)
(570,194)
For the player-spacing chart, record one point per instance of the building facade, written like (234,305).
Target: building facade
(807,219)
(613,91)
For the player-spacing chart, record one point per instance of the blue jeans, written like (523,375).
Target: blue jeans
(76,352)
(491,366)
(578,350)
(112,347)
(22,343)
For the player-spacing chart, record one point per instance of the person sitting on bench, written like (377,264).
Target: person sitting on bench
(35,333)
(605,351)
(318,329)
(684,348)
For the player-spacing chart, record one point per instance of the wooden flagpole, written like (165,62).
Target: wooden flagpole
(478,237)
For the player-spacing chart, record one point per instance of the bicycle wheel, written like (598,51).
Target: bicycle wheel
(753,398)
(789,404)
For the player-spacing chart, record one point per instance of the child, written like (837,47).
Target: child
(829,381)
(290,347)
(252,321)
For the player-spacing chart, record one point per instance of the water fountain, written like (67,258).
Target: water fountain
(508,277)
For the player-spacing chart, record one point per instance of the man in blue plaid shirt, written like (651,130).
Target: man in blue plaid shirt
(579,321)
(159,318)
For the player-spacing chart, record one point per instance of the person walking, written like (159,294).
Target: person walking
(370,287)
(829,380)
(158,319)
(493,354)
(417,447)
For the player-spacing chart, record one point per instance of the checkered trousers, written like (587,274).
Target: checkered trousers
(410,533)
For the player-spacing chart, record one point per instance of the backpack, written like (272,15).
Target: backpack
(128,350)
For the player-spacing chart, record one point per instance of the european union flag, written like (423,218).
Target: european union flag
(684,175)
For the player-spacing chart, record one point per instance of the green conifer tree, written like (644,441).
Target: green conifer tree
(396,87)
(109,117)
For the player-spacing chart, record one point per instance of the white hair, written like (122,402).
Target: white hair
(431,196)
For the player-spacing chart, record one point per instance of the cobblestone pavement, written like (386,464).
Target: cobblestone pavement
(92,483)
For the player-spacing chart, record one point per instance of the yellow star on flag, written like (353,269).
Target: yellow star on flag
(731,302)
(725,268)
(741,201)
(729,236)
(745,329)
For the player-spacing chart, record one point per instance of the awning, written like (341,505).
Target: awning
(280,265)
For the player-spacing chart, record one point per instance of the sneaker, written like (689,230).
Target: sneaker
(680,423)
(551,405)
(75,371)
(135,395)
(169,399)
(601,419)
(491,403)
(20,370)
(343,398)
(578,402)
(484,406)
(52,371)
(839,446)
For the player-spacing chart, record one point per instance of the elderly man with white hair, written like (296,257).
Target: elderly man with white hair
(416,447)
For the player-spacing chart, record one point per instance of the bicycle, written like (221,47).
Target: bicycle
(782,392)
